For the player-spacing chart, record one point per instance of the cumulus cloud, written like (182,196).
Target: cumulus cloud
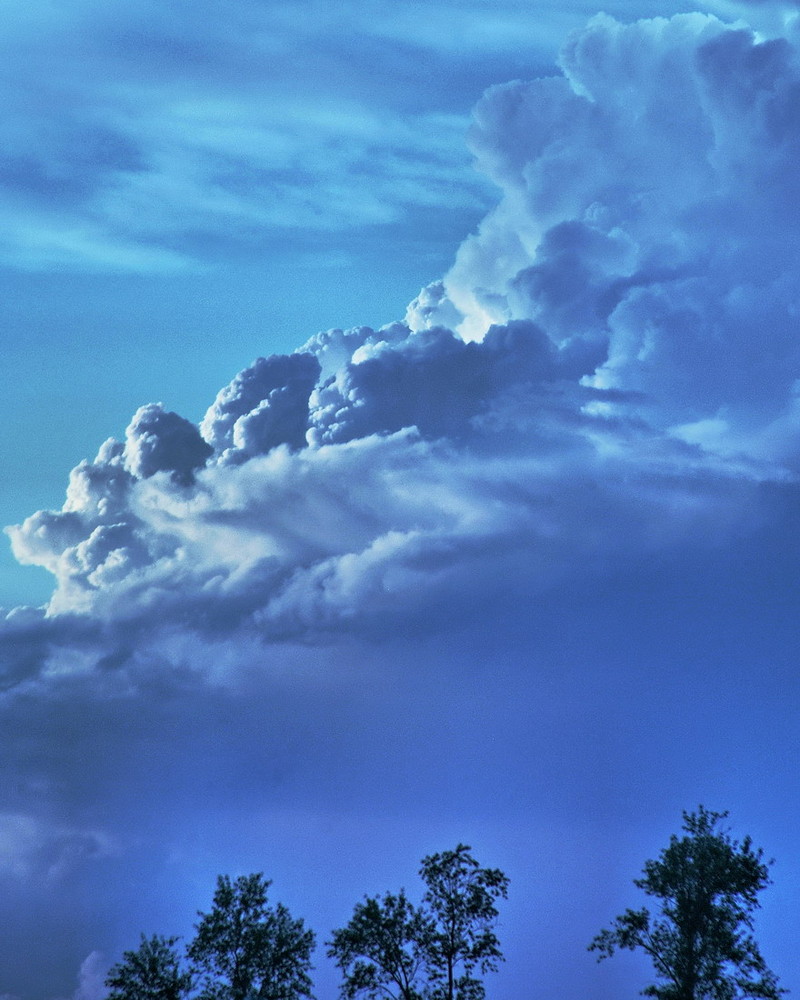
(646,212)
(626,315)
(431,308)
(264,406)
(33,849)
(158,441)
(91,978)
(432,381)
(601,395)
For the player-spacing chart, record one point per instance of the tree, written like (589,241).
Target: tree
(460,900)
(381,952)
(246,950)
(152,972)
(701,945)
(393,949)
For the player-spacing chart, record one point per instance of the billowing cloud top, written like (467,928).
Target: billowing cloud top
(648,211)
(601,396)
(617,343)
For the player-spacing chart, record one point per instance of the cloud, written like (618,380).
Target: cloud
(264,406)
(157,441)
(645,214)
(463,538)
(157,141)
(612,314)
(33,849)
(91,984)
(432,381)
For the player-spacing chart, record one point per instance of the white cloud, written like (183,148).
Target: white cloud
(147,141)
(634,278)
(91,982)
(645,217)
(91,978)
(33,849)
(240,607)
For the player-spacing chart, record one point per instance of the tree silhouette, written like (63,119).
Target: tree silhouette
(393,949)
(152,972)
(701,945)
(460,899)
(247,950)
(381,952)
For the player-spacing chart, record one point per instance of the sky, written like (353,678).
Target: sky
(403,441)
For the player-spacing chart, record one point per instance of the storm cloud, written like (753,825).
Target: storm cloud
(592,419)
(639,328)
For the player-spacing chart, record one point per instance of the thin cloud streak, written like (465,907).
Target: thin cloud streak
(159,135)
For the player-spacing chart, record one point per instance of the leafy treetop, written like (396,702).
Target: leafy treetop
(701,946)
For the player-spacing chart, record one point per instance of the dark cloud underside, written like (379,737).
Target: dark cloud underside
(519,568)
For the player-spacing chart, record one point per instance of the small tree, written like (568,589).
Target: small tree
(245,950)
(701,947)
(152,972)
(381,952)
(460,900)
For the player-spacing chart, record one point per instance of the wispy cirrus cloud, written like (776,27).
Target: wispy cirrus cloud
(154,138)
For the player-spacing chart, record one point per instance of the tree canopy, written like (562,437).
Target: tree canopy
(151,972)
(245,949)
(382,951)
(392,948)
(701,943)
(699,935)
(460,898)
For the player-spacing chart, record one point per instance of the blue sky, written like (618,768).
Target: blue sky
(423,381)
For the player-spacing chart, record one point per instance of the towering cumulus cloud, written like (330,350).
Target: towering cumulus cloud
(648,211)
(626,314)
(609,372)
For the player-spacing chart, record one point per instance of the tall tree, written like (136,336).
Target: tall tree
(247,950)
(701,944)
(460,901)
(381,952)
(152,972)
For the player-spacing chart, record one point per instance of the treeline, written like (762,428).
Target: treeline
(246,949)
(700,941)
